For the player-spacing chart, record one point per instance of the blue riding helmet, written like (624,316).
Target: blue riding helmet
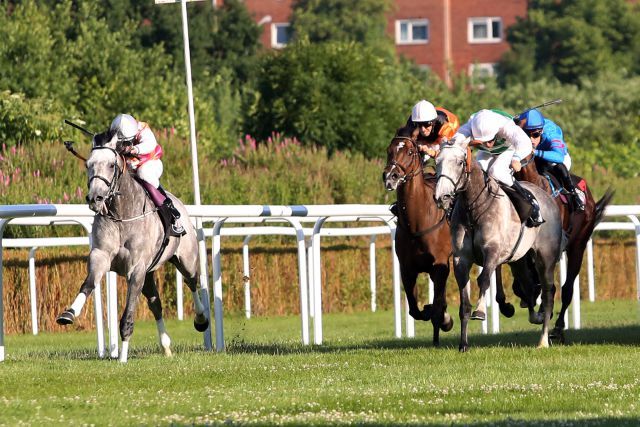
(532,119)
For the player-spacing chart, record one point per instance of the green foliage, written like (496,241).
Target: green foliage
(35,120)
(570,40)
(339,95)
(364,21)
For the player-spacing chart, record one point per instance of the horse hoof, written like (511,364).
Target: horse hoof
(507,310)
(446,327)
(66,318)
(536,319)
(463,348)
(478,315)
(201,327)
(427,311)
(523,304)
(557,334)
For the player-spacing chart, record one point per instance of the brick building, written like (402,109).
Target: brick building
(463,35)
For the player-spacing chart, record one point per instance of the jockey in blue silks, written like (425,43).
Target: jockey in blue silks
(550,150)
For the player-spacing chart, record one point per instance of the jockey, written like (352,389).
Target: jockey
(435,125)
(550,150)
(502,145)
(144,155)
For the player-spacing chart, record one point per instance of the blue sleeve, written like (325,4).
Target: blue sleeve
(552,147)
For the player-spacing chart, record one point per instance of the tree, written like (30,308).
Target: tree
(342,96)
(572,39)
(363,21)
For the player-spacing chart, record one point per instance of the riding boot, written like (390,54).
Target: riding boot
(176,224)
(567,183)
(535,219)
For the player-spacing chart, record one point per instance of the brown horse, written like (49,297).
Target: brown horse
(423,242)
(577,226)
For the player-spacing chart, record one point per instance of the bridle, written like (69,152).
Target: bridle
(115,179)
(403,168)
(464,174)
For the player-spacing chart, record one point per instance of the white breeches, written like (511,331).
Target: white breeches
(567,161)
(150,171)
(498,167)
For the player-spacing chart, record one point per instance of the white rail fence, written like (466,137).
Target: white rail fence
(308,247)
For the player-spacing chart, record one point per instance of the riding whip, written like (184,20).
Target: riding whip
(80,128)
(544,104)
(69,146)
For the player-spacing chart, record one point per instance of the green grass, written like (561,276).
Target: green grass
(362,375)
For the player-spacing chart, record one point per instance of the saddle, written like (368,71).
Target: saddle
(522,206)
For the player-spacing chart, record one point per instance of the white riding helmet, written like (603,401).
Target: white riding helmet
(485,124)
(126,127)
(423,111)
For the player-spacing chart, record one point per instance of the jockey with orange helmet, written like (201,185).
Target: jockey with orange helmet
(550,150)
(143,154)
(502,145)
(435,125)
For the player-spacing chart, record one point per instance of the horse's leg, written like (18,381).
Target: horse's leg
(409,277)
(98,265)
(135,282)
(575,253)
(523,276)
(461,270)
(201,321)
(545,265)
(484,281)
(439,316)
(506,308)
(150,291)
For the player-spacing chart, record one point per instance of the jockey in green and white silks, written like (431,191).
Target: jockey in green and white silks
(502,145)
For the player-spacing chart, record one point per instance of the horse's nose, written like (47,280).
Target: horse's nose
(384,176)
(87,198)
(99,198)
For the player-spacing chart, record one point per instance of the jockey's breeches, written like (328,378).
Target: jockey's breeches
(498,167)
(150,171)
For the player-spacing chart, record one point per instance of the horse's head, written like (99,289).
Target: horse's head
(451,170)
(104,168)
(403,159)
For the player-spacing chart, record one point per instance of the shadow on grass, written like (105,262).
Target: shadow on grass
(622,335)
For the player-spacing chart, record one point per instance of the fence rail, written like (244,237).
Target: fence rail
(308,246)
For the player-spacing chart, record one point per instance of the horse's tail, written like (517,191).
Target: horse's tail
(602,204)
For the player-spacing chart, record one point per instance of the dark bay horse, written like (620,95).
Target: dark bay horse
(127,237)
(487,230)
(422,240)
(577,226)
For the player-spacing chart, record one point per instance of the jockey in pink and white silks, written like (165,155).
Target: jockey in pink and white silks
(145,154)
(502,145)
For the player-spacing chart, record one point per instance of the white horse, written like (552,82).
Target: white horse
(487,230)
(128,237)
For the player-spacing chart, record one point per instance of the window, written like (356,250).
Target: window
(280,34)
(482,70)
(480,73)
(485,30)
(412,31)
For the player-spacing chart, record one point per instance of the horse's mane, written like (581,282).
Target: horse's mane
(408,132)
(104,138)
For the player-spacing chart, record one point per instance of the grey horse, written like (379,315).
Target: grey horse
(487,230)
(127,237)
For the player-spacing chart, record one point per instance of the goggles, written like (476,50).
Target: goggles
(534,133)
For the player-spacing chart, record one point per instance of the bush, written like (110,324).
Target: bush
(337,95)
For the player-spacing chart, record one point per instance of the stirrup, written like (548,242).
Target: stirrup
(177,229)
(535,221)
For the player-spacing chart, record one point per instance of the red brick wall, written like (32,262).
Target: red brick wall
(432,53)
(279,10)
